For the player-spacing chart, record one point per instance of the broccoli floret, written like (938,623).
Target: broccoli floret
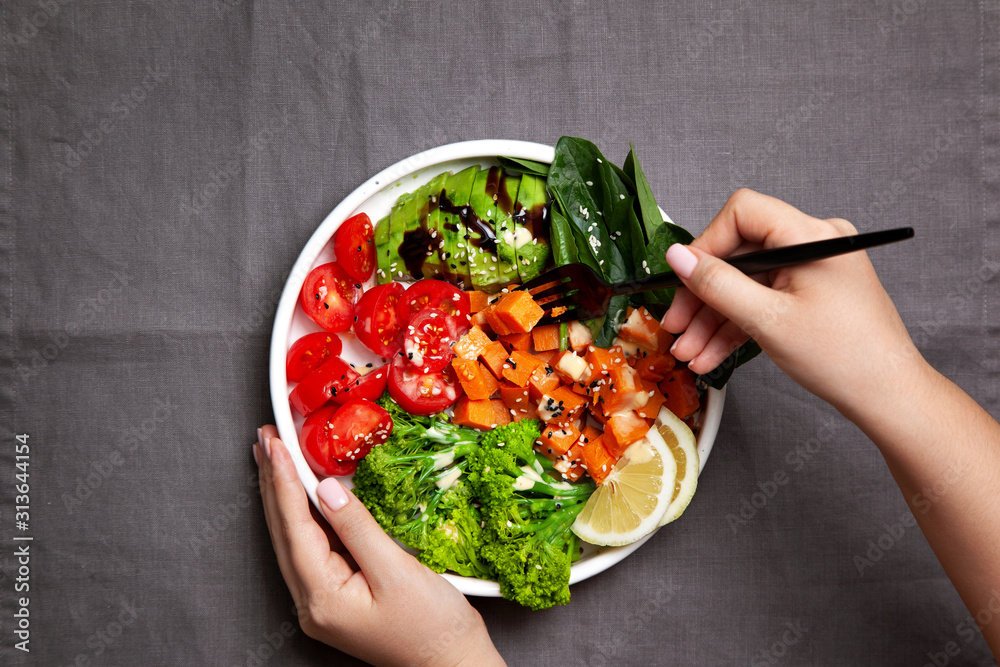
(527,515)
(414,487)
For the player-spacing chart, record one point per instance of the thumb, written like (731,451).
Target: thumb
(375,552)
(724,288)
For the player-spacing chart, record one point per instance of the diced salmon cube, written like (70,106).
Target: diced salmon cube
(557,440)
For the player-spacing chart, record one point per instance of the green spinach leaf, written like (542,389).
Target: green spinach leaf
(720,376)
(649,212)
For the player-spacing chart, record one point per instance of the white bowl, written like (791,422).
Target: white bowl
(375,197)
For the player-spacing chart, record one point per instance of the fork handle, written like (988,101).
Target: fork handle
(773,259)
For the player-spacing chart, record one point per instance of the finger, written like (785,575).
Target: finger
(723,343)
(701,329)
(278,542)
(335,543)
(681,311)
(308,547)
(380,559)
(724,288)
(753,217)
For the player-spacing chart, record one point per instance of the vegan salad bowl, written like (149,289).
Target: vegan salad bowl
(564,358)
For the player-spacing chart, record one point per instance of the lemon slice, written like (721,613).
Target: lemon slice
(633,499)
(680,440)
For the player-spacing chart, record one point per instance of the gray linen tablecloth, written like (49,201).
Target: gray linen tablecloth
(163,164)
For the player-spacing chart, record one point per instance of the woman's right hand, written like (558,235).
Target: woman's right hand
(828,324)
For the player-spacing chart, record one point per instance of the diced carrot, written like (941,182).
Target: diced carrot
(494,355)
(644,330)
(542,381)
(561,406)
(477,301)
(580,336)
(599,417)
(557,440)
(517,341)
(477,382)
(652,407)
(472,343)
(598,460)
(589,433)
(623,391)
(546,338)
(680,393)
(622,430)
(519,367)
(654,366)
(518,311)
(484,414)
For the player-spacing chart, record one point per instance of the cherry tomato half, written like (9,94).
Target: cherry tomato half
(370,386)
(322,384)
(421,393)
(429,338)
(335,438)
(328,297)
(436,295)
(354,244)
(378,325)
(309,352)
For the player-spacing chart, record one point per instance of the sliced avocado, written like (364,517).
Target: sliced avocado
(531,214)
(481,242)
(413,244)
(447,220)
(382,251)
(505,196)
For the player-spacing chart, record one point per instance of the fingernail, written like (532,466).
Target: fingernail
(663,321)
(674,345)
(260,438)
(267,448)
(332,493)
(681,260)
(253,448)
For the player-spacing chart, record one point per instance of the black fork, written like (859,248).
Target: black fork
(577,292)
